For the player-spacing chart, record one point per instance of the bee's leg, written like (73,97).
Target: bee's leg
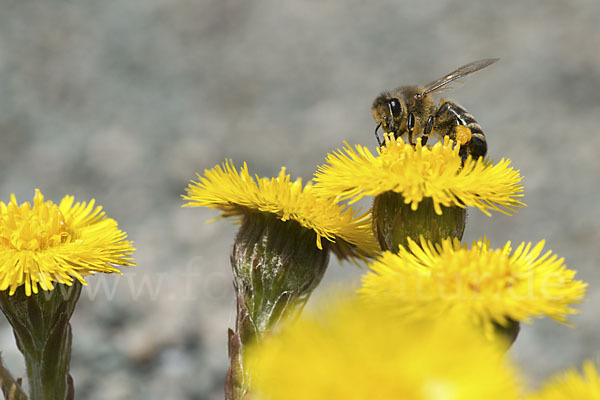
(377,135)
(448,116)
(410,125)
(477,146)
(427,130)
(463,152)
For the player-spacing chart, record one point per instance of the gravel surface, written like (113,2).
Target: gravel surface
(123,101)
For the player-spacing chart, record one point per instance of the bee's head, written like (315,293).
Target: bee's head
(403,110)
(389,112)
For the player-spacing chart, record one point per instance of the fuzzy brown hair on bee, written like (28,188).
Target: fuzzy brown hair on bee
(411,111)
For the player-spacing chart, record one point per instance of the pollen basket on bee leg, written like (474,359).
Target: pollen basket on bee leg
(463,134)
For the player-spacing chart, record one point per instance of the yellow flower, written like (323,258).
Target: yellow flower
(236,193)
(421,172)
(55,243)
(279,256)
(352,352)
(572,385)
(486,285)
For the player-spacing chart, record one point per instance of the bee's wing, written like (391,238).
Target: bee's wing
(458,73)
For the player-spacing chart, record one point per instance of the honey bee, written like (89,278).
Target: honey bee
(411,110)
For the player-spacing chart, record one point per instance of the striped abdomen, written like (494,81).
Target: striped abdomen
(448,115)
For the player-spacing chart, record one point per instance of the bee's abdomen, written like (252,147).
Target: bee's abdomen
(448,115)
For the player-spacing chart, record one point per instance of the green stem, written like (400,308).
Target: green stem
(42,331)
(509,332)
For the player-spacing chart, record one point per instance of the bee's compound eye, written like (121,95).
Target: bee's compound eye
(395,107)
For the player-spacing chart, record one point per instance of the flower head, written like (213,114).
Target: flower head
(572,385)
(421,172)
(47,243)
(351,352)
(237,193)
(488,286)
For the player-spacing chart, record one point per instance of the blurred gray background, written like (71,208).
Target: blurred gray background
(123,101)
